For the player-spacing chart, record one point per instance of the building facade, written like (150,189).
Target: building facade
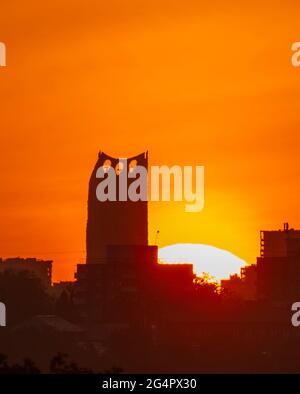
(42,269)
(278,267)
(114,222)
(122,281)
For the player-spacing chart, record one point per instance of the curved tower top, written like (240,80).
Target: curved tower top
(114,222)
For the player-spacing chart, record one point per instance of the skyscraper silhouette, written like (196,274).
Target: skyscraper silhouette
(114,222)
(122,281)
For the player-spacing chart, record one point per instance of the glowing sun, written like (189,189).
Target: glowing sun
(216,262)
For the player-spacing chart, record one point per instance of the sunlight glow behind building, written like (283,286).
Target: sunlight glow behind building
(216,262)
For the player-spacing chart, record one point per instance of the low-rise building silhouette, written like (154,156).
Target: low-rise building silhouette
(243,286)
(278,267)
(42,269)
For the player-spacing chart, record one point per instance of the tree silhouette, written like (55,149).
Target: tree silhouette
(28,367)
(60,365)
(206,287)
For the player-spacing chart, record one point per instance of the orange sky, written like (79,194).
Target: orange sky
(193,83)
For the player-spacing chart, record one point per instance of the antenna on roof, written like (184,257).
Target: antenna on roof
(156,237)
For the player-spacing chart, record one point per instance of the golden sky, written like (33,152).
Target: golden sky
(199,84)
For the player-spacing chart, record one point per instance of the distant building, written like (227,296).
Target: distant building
(279,243)
(129,286)
(114,222)
(122,281)
(63,286)
(243,286)
(278,267)
(42,269)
